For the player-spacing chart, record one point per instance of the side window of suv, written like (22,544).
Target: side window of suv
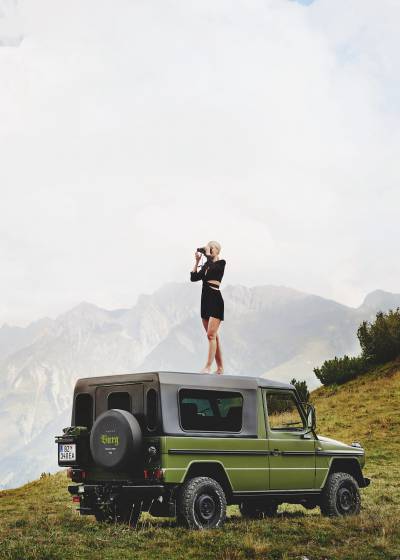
(283,412)
(210,411)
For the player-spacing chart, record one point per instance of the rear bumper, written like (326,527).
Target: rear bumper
(134,491)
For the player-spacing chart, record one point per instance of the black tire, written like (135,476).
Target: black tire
(257,510)
(116,441)
(201,504)
(340,496)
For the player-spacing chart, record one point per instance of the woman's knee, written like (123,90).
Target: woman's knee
(211,335)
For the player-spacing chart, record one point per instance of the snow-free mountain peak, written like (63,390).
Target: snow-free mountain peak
(380,300)
(272,330)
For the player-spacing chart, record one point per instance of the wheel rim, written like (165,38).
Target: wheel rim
(205,508)
(346,499)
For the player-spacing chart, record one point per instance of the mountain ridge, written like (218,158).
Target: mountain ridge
(371,297)
(273,331)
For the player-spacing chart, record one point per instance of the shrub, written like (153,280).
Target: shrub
(302,390)
(380,340)
(380,343)
(340,370)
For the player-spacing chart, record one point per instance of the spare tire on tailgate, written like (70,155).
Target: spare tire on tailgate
(116,440)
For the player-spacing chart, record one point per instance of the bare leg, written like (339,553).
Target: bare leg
(212,330)
(218,357)
(205,325)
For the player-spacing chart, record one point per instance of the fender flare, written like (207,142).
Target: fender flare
(349,465)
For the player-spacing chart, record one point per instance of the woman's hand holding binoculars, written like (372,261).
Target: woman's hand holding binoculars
(206,251)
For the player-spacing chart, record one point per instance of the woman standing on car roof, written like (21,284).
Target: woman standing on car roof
(212,303)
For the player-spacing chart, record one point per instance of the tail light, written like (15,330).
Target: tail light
(76,475)
(76,499)
(156,474)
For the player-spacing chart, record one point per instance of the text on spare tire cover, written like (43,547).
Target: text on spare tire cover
(110,440)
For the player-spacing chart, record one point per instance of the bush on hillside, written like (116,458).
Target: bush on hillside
(302,390)
(380,343)
(380,340)
(340,370)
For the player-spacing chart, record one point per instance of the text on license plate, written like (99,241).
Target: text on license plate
(67,451)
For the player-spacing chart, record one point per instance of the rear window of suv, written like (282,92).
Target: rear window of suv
(119,399)
(210,411)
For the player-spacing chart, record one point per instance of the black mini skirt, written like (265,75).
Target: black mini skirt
(212,303)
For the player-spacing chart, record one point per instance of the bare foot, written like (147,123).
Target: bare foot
(219,371)
(205,370)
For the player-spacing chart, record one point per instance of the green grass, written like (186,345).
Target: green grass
(38,521)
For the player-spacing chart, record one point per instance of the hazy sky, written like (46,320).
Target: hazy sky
(131,131)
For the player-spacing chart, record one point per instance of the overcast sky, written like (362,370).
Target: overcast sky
(132,131)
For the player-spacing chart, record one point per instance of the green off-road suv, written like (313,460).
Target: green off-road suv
(187,444)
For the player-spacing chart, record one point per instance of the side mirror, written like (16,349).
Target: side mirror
(311,416)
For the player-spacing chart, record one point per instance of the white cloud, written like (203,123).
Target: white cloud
(132,131)
(10,24)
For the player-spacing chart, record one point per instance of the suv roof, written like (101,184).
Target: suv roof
(179,378)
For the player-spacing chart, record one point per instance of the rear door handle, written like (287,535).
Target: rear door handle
(276,452)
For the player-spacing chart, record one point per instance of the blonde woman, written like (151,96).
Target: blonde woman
(212,303)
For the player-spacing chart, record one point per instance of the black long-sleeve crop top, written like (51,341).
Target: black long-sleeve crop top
(211,270)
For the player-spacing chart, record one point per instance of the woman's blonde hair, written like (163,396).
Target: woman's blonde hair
(216,245)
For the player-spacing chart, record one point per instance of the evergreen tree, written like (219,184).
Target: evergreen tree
(302,389)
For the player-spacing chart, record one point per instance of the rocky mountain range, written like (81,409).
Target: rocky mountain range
(273,331)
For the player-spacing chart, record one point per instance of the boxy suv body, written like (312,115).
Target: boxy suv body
(188,444)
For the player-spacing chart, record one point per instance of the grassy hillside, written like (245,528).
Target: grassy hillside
(38,521)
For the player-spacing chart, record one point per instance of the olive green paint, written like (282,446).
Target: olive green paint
(251,464)
(268,460)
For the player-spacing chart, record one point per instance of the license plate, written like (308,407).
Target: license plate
(67,452)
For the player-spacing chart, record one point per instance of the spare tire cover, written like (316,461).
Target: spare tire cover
(116,440)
